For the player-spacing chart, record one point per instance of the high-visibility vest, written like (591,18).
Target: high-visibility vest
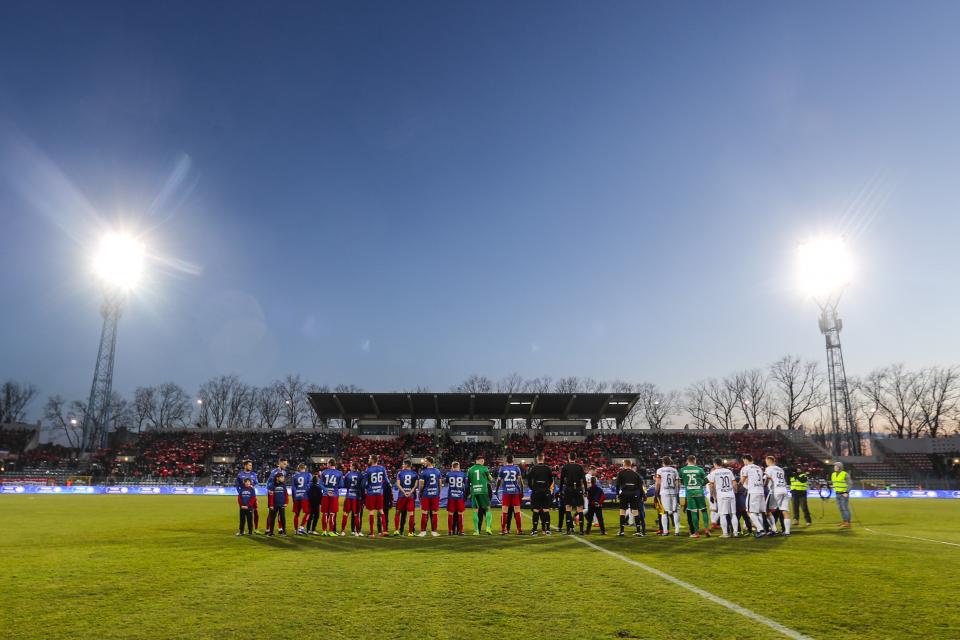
(798,482)
(839,481)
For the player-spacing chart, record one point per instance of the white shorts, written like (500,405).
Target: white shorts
(756,502)
(670,503)
(727,506)
(781,501)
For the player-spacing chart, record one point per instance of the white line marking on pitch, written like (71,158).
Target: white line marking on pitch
(776,626)
(898,535)
(773,624)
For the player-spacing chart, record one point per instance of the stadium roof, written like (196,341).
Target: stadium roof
(447,406)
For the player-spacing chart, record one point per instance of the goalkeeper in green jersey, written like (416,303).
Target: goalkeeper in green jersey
(693,479)
(478,483)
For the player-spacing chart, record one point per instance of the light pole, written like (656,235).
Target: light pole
(118,266)
(826,268)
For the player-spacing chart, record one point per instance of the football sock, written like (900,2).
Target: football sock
(569,521)
(676,522)
(476,519)
(371,522)
(256,519)
(581,522)
(516,519)
(489,517)
(786,524)
(503,521)
(434,516)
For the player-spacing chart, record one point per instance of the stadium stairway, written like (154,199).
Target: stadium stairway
(865,469)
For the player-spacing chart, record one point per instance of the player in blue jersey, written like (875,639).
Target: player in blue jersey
(456,492)
(281,469)
(511,479)
(407,480)
(300,484)
(352,481)
(278,505)
(374,477)
(331,479)
(314,496)
(249,474)
(430,478)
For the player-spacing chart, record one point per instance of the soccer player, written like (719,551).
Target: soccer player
(668,488)
(430,478)
(694,478)
(456,490)
(478,482)
(780,492)
(383,522)
(629,489)
(751,477)
(300,483)
(540,481)
(278,505)
(352,482)
(331,479)
(407,481)
(374,477)
(574,485)
(247,499)
(595,498)
(314,497)
(280,469)
(246,473)
(723,491)
(510,477)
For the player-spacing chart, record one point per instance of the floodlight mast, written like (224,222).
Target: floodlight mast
(96,419)
(841,409)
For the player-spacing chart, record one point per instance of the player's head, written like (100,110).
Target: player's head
(406,464)
(248,465)
(666,461)
(332,462)
(428,461)
(301,467)
(353,466)
(283,463)
(247,482)
(628,464)
(540,458)
(691,459)
(593,469)
(593,481)
(455,465)
(747,458)
(572,457)
(509,459)
(374,458)
(479,459)
(771,460)
(718,462)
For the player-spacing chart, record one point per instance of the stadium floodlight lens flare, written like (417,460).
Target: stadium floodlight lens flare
(825,266)
(119,261)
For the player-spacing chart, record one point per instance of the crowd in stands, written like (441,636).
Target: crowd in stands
(48,456)
(14,440)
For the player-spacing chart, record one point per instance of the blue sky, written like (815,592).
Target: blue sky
(399,194)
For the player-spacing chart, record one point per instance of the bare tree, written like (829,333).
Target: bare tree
(475,384)
(632,419)
(799,389)
(541,384)
(937,393)
(315,419)
(293,392)
(656,405)
(144,405)
(15,397)
(695,403)
(172,408)
(721,402)
(62,421)
(216,396)
(752,393)
(568,384)
(892,392)
(512,383)
(237,417)
(347,388)
(269,403)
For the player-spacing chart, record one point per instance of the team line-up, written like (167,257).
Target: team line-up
(759,496)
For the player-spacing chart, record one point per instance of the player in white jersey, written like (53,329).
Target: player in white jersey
(780,492)
(668,488)
(752,478)
(723,488)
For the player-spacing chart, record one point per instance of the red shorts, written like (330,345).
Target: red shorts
(301,505)
(406,504)
(430,504)
(270,500)
(510,500)
(351,505)
(329,504)
(373,503)
(455,505)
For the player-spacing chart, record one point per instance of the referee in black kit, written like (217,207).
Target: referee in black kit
(540,481)
(629,489)
(573,483)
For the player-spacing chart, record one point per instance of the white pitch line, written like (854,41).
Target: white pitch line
(743,611)
(898,535)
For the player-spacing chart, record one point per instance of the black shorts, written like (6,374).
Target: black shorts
(630,502)
(540,500)
(572,497)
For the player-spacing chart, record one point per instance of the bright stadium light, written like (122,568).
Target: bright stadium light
(119,261)
(825,266)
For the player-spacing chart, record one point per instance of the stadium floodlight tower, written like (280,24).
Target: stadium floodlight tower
(117,265)
(825,270)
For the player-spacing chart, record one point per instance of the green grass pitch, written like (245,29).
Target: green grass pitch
(105,567)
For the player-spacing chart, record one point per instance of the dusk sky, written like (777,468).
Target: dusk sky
(401,194)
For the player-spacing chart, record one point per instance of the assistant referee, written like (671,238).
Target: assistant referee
(540,481)
(573,484)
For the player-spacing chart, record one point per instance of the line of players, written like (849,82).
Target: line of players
(760,497)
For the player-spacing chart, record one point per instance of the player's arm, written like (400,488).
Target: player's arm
(496,489)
